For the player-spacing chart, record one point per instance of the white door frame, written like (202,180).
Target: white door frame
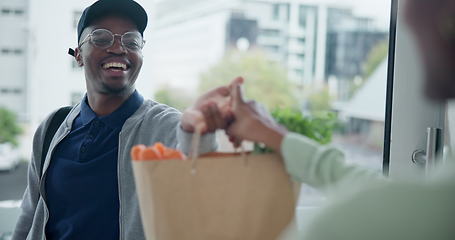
(409,113)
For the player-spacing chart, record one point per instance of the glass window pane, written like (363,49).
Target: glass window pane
(326,60)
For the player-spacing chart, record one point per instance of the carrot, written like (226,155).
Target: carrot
(159,147)
(150,153)
(136,151)
(156,152)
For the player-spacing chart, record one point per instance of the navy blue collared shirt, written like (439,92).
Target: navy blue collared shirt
(81,181)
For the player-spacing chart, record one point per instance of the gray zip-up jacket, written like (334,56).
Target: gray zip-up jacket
(152,122)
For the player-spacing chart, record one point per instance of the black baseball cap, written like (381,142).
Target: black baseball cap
(101,8)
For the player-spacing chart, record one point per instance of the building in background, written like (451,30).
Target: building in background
(364,112)
(312,40)
(13,56)
(349,42)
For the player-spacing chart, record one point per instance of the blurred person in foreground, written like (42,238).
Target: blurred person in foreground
(86,188)
(376,208)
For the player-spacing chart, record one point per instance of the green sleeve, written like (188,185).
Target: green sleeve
(388,210)
(374,209)
(320,166)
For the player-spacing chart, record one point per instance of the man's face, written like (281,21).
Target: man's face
(112,70)
(433,24)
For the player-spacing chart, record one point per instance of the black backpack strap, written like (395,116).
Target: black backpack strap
(56,121)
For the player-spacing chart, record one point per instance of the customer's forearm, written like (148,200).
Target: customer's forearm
(272,136)
(320,166)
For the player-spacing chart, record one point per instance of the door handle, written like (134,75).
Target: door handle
(428,158)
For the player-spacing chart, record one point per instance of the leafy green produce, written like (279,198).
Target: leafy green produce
(317,127)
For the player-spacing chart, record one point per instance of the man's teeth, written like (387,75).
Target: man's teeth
(114,65)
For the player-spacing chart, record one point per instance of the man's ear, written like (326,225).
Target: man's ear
(78,57)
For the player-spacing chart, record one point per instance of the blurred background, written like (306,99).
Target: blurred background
(320,67)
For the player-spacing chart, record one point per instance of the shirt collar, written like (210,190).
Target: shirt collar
(87,114)
(118,117)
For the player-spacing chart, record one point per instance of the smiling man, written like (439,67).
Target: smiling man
(84,187)
(111,66)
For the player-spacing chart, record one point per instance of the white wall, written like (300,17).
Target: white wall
(190,38)
(181,52)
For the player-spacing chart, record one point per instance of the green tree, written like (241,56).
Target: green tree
(319,101)
(9,128)
(174,97)
(266,81)
(318,127)
(375,57)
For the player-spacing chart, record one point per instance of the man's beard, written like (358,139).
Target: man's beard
(108,90)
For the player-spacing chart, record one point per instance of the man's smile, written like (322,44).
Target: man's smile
(115,67)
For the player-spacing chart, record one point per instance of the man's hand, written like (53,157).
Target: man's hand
(211,111)
(253,123)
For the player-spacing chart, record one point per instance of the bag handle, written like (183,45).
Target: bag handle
(195,141)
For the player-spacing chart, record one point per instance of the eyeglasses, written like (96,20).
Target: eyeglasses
(104,38)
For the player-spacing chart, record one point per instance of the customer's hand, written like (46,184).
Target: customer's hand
(252,122)
(211,111)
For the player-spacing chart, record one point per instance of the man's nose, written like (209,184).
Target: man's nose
(117,46)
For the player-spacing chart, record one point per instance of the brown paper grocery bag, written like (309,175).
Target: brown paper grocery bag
(241,197)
